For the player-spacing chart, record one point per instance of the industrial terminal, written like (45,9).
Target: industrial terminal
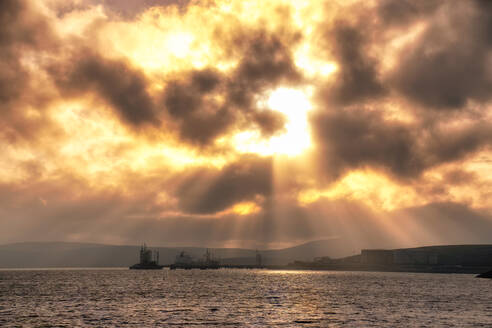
(445,259)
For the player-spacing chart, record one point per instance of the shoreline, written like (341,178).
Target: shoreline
(414,269)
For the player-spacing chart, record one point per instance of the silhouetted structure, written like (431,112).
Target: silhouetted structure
(445,259)
(148,260)
(259,261)
(185,261)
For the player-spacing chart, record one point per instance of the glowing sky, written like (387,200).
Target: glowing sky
(246,123)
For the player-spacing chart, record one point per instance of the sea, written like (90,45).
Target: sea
(241,298)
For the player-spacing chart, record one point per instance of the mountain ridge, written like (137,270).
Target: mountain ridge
(74,254)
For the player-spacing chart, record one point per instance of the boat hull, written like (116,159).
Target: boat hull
(146,267)
(193,266)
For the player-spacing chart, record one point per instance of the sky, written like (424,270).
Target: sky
(246,123)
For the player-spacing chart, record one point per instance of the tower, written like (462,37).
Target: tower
(258,259)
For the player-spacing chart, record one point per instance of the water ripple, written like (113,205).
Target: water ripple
(251,298)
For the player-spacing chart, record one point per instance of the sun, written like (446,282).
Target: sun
(295,105)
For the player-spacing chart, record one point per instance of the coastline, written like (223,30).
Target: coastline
(406,269)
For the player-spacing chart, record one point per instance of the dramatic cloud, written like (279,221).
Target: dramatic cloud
(24,32)
(357,79)
(116,82)
(445,67)
(207,102)
(449,64)
(404,12)
(359,138)
(208,192)
(246,123)
(352,139)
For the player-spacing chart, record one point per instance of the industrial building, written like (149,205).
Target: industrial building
(463,255)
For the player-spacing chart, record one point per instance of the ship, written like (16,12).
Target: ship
(185,261)
(149,260)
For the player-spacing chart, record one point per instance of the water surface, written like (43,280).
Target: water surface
(247,298)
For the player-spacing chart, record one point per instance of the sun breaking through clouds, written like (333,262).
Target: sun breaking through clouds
(246,123)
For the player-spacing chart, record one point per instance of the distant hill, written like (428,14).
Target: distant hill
(61,254)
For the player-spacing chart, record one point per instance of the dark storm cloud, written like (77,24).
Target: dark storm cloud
(444,68)
(266,61)
(269,122)
(21,25)
(403,12)
(357,79)
(115,81)
(208,103)
(202,104)
(23,31)
(450,63)
(209,191)
(359,138)
(191,103)
(447,145)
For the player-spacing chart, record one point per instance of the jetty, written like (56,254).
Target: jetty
(185,261)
